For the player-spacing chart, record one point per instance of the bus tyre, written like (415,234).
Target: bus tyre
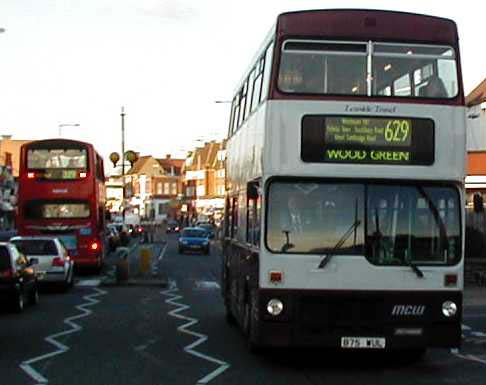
(250,324)
(228,314)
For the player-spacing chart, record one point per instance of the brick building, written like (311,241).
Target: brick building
(204,179)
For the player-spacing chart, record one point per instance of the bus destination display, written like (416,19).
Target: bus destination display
(363,139)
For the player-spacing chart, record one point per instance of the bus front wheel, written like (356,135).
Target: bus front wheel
(250,324)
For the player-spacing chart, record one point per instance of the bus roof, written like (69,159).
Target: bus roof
(54,142)
(361,24)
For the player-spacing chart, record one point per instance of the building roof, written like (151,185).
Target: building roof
(477,95)
(138,165)
(206,157)
(12,147)
(168,163)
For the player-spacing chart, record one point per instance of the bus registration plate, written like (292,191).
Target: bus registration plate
(69,241)
(363,343)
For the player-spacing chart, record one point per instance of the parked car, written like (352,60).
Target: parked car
(194,239)
(112,236)
(209,228)
(55,266)
(173,227)
(18,278)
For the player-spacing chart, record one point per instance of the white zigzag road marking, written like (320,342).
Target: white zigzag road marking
(201,337)
(27,365)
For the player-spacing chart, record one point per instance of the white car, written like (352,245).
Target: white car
(55,266)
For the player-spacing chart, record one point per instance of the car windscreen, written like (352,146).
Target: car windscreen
(4,258)
(207,227)
(36,246)
(194,233)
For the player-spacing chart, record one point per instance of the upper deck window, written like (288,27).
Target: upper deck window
(368,68)
(57,158)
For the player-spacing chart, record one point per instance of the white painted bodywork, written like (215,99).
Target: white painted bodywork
(269,144)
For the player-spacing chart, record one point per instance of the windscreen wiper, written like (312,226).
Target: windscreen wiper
(338,245)
(416,269)
(287,245)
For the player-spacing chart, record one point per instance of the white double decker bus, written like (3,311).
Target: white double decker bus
(345,171)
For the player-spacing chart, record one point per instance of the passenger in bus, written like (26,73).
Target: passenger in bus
(435,88)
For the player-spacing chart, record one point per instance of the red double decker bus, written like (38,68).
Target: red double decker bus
(61,193)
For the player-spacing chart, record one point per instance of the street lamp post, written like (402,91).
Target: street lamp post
(60,126)
(122,115)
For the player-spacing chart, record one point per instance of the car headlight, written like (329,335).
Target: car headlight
(274,307)
(449,309)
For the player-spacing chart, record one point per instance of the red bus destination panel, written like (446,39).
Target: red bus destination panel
(366,139)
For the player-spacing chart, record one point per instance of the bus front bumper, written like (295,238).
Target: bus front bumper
(325,318)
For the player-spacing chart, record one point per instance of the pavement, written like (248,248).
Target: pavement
(474,296)
(177,335)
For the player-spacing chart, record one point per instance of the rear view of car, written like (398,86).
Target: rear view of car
(18,278)
(194,239)
(55,266)
(172,227)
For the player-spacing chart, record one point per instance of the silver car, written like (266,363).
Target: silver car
(54,266)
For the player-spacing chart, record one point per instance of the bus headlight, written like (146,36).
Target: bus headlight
(274,307)
(449,309)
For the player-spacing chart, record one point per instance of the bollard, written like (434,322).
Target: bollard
(145,260)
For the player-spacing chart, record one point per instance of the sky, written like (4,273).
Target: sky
(166,61)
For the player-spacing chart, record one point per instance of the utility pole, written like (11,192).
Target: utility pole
(123,157)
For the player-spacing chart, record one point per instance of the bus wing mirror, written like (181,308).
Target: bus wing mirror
(252,190)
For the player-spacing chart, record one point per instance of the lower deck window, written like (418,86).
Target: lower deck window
(56,209)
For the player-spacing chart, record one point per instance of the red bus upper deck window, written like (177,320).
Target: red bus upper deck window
(58,163)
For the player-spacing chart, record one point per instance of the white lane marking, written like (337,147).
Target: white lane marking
(465,327)
(88,283)
(201,337)
(469,357)
(478,334)
(161,255)
(61,348)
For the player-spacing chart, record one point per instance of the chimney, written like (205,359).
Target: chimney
(6,137)
(167,156)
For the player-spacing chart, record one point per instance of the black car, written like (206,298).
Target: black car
(173,227)
(18,278)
